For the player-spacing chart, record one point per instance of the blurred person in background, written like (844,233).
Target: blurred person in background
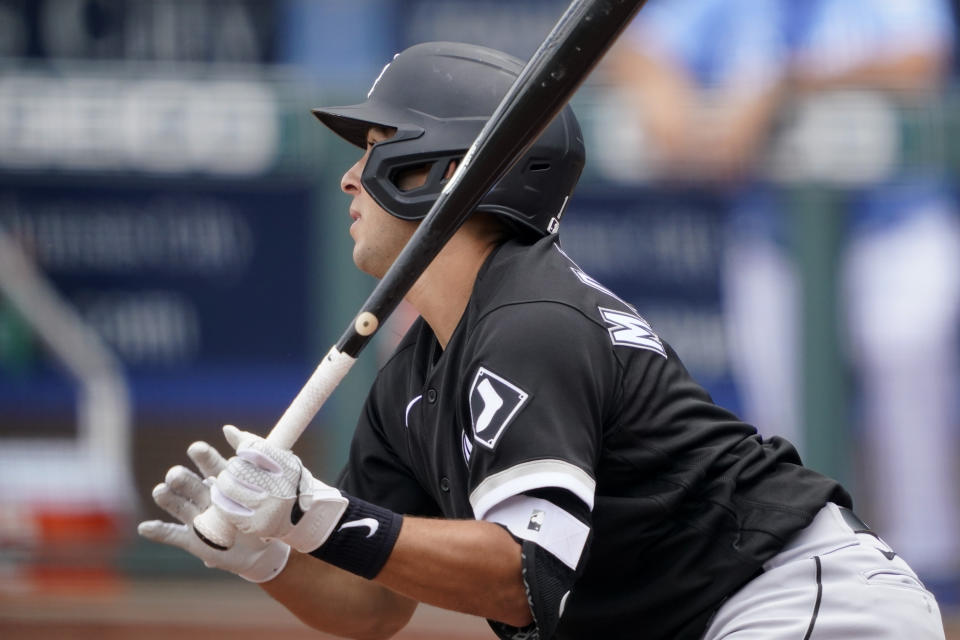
(707,78)
(901,279)
(710,80)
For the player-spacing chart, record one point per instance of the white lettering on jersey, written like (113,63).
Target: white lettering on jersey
(631,330)
(494,401)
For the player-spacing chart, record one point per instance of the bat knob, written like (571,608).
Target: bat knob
(213,530)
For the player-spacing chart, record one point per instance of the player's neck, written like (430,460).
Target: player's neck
(441,294)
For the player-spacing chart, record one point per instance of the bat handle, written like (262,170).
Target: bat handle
(213,529)
(325,378)
(210,526)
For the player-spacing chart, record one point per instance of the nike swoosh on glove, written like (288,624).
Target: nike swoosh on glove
(266,491)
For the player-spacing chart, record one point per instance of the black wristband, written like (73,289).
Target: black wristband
(362,540)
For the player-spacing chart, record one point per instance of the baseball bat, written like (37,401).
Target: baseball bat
(568,54)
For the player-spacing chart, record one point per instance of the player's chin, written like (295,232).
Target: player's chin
(367,261)
(358,258)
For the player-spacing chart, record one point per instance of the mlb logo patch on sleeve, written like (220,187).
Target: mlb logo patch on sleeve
(494,401)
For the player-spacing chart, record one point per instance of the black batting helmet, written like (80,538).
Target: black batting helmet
(438,96)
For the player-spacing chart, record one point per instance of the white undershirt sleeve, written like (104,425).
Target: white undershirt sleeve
(544,524)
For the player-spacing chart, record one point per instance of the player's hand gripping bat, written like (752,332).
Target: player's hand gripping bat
(574,46)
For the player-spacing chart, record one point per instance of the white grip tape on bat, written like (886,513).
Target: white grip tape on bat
(328,374)
(209,525)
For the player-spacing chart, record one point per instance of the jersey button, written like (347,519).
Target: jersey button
(444,484)
(431,395)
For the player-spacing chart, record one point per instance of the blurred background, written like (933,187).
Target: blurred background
(773,183)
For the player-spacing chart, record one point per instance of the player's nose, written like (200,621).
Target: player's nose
(350,182)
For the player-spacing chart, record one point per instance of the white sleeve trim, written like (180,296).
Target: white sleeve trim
(538,474)
(544,524)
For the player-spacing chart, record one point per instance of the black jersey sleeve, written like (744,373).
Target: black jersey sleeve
(377,469)
(540,378)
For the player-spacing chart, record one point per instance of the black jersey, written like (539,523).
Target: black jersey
(551,382)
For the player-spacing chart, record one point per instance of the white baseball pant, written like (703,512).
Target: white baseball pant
(831,583)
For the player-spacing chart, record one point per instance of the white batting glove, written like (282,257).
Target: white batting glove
(184,496)
(266,491)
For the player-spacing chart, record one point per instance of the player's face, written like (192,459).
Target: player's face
(378,236)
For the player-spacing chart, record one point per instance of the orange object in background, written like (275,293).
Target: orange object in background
(71,524)
(68,549)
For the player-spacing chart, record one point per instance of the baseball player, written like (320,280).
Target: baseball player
(532,452)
